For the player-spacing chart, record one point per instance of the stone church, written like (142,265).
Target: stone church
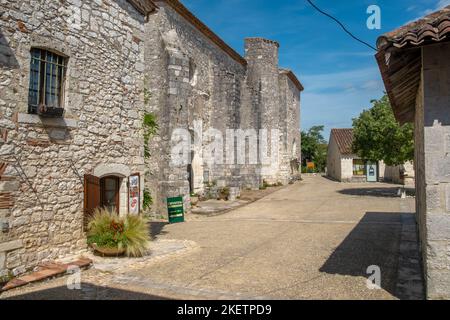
(76,83)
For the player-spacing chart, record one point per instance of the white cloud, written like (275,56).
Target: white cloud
(440,4)
(364,78)
(333,99)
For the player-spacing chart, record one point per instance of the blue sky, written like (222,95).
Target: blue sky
(340,75)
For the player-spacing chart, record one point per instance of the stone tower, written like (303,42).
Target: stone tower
(263,78)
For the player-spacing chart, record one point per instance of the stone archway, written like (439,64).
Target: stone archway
(120,171)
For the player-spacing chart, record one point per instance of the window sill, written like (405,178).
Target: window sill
(34,119)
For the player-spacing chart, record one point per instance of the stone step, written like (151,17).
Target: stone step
(45,271)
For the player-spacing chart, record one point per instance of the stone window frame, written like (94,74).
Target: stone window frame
(60,66)
(68,120)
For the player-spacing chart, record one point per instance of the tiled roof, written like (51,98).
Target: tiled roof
(344,140)
(434,27)
(400,60)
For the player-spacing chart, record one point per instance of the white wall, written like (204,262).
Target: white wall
(346,168)
(333,160)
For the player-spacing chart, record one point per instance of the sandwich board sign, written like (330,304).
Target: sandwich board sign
(175,209)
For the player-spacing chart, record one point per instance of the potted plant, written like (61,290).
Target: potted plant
(224,194)
(111,235)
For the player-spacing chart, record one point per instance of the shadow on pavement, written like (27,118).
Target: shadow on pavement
(372,192)
(87,292)
(375,241)
(157,228)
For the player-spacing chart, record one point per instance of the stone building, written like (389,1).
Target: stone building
(198,83)
(345,166)
(414,62)
(77,79)
(71,107)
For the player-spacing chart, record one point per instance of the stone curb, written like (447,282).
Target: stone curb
(409,279)
(46,271)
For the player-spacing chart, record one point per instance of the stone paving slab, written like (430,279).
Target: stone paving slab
(158,250)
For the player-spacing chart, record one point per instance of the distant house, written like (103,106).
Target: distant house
(414,61)
(345,166)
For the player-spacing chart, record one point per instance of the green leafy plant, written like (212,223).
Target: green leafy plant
(314,148)
(150,128)
(148,200)
(106,229)
(378,136)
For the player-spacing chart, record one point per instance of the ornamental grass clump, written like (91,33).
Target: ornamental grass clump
(130,233)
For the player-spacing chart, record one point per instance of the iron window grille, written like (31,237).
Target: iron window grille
(47,77)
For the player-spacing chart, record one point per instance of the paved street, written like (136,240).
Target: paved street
(311,240)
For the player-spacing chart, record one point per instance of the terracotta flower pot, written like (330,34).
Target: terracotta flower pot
(108,252)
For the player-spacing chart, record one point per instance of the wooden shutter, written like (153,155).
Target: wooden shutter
(91,196)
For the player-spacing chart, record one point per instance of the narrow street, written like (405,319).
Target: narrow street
(311,240)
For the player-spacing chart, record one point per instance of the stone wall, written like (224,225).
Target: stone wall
(290,144)
(433,169)
(43,161)
(190,79)
(392,173)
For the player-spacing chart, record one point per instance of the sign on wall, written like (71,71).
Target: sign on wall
(134,194)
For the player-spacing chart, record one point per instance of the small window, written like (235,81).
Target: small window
(47,75)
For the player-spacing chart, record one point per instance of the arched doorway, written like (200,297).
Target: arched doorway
(107,187)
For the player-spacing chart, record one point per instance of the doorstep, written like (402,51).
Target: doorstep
(46,271)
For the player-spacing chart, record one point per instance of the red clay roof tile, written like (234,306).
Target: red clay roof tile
(344,140)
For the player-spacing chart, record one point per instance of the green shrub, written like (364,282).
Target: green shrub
(107,229)
(137,236)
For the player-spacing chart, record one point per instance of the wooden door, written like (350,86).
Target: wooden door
(91,196)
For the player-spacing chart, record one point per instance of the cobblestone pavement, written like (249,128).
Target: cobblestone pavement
(312,240)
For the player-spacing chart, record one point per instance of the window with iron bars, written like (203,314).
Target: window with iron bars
(47,75)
